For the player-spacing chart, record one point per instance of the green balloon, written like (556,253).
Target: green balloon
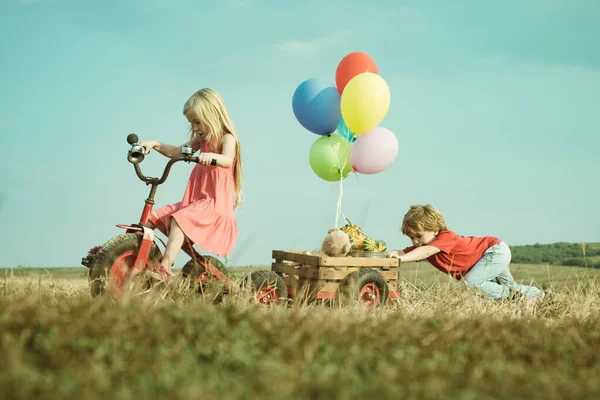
(329,158)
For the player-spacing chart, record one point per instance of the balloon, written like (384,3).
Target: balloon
(374,151)
(329,157)
(365,102)
(316,105)
(350,66)
(344,132)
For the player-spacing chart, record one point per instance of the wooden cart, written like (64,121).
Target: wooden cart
(370,281)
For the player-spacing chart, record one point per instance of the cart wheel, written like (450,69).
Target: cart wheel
(114,262)
(198,276)
(269,288)
(366,286)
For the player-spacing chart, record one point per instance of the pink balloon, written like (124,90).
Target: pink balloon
(374,151)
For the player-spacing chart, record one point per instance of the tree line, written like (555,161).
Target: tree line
(570,254)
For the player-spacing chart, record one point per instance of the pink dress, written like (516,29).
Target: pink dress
(205,214)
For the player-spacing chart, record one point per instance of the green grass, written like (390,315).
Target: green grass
(438,341)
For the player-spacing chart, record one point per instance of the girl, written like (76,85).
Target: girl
(481,261)
(205,215)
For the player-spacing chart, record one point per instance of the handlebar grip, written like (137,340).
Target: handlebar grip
(195,160)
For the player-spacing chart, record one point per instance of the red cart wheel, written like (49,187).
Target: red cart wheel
(269,288)
(370,295)
(367,287)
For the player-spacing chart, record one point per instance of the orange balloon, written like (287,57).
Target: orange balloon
(351,65)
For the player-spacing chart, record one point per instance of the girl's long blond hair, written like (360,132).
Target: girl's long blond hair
(214,118)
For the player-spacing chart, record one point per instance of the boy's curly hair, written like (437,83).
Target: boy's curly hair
(421,218)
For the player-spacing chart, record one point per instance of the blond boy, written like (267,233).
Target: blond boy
(482,262)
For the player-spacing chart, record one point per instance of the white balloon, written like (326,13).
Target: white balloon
(374,151)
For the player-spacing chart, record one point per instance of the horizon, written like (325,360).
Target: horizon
(494,108)
(263,265)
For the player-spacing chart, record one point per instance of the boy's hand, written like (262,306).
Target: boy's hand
(394,254)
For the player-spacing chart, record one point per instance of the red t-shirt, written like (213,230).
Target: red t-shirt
(458,254)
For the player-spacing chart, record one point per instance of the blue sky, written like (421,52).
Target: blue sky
(494,105)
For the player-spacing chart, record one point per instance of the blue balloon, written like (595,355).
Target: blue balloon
(344,132)
(316,105)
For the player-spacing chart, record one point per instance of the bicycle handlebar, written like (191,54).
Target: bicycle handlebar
(163,178)
(136,156)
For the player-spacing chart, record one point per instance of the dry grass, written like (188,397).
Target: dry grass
(438,341)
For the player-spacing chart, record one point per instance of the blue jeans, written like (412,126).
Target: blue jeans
(491,275)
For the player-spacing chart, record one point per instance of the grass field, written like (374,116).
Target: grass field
(438,341)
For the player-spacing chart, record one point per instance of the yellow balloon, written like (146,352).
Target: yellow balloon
(365,102)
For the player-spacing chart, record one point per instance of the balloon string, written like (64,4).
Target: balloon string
(338,210)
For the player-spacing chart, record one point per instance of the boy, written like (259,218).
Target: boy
(481,261)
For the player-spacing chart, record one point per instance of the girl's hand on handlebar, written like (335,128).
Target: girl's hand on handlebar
(149,145)
(206,158)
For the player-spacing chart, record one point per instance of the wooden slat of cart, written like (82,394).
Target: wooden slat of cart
(359,262)
(304,286)
(296,256)
(290,269)
(326,273)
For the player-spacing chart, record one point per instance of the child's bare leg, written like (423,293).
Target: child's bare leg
(176,237)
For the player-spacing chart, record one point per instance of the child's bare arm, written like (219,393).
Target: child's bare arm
(395,253)
(167,150)
(227,156)
(420,253)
